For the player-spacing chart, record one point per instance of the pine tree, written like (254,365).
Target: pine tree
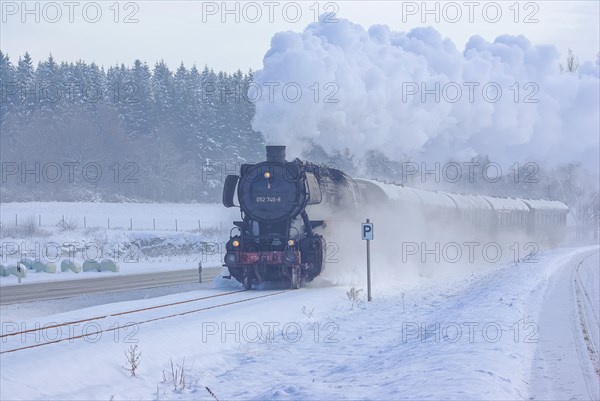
(137,98)
(50,90)
(162,87)
(8,87)
(28,95)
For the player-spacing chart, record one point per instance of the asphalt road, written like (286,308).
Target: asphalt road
(67,288)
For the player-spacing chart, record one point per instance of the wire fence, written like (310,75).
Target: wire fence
(67,222)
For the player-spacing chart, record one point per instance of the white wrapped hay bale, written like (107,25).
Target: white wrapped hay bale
(70,265)
(109,265)
(90,265)
(28,263)
(50,268)
(37,266)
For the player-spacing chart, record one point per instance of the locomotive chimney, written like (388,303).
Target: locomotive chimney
(276,154)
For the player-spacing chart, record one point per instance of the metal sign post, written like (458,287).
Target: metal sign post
(367,235)
(19,269)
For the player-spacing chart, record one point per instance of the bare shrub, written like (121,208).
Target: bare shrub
(24,229)
(354,296)
(133,359)
(178,376)
(70,224)
(308,313)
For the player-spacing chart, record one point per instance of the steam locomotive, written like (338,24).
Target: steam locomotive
(275,240)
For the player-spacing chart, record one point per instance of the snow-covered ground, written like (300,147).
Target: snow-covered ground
(506,332)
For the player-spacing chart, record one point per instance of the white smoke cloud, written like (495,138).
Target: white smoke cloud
(375,71)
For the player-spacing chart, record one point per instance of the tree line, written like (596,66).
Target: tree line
(75,131)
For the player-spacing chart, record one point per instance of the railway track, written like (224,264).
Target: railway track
(138,320)
(587,320)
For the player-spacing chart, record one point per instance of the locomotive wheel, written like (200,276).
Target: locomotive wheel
(247,283)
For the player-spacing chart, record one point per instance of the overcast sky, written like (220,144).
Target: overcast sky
(194,32)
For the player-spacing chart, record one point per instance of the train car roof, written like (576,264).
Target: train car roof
(469,201)
(394,191)
(462,201)
(546,205)
(506,204)
(414,195)
(434,198)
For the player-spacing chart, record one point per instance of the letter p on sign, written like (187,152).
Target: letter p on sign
(367,231)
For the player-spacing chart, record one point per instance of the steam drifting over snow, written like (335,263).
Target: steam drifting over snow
(414,93)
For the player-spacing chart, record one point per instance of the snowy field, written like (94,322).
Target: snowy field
(142,214)
(489,334)
(152,244)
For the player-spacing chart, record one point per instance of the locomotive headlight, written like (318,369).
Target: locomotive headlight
(291,242)
(235,243)
(267,175)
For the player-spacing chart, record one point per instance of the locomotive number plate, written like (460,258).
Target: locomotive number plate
(268,199)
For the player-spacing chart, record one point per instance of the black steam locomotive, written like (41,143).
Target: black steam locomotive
(275,239)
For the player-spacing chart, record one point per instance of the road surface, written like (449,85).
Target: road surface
(11,294)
